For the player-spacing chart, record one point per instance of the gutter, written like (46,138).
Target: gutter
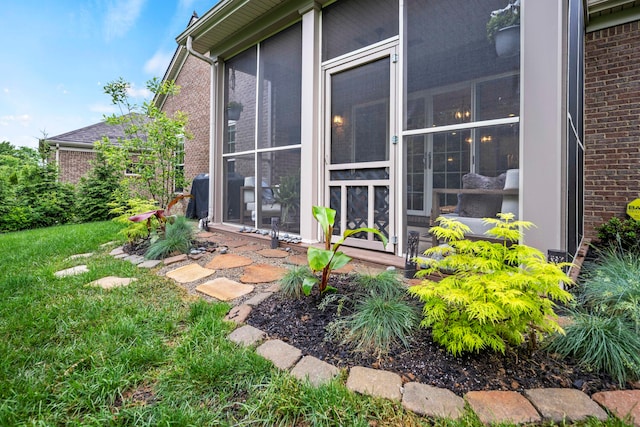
(213,95)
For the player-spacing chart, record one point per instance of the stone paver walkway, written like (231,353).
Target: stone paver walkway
(260,281)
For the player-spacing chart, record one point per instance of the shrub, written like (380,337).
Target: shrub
(291,282)
(134,230)
(621,234)
(177,238)
(602,343)
(612,287)
(381,315)
(496,294)
(97,191)
(605,333)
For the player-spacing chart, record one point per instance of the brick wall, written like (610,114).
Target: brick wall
(73,164)
(612,122)
(194,81)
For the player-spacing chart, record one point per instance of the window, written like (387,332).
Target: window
(179,178)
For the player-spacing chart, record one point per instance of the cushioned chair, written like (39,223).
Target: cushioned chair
(269,205)
(481,197)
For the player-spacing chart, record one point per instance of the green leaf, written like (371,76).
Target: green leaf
(339,260)
(325,216)
(318,258)
(308,283)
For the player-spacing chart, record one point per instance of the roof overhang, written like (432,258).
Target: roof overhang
(608,13)
(233,25)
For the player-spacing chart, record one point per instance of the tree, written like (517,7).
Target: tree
(149,151)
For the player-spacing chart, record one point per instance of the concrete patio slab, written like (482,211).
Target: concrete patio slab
(432,401)
(262,273)
(493,407)
(314,370)
(224,289)
(222,262)
(189,273)
(247,336)
(622,403)
(73,271)
(375,382)
(281,354)
(564,405)
(110,282)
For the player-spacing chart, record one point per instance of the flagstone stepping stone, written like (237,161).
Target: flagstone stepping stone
(121,256)
(299,259)
(234,243)
(174,259)
(150,263)
(262,273)
(224,289)
(204,235)
(110,282)
(73,271)
(225,261)
(117,251)
(273,253)
(77,256)
(189,273)
(251,247)
(564,405)
(622,403)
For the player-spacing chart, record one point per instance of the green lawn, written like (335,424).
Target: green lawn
(145,354)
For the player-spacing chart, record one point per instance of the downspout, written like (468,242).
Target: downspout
(212,119)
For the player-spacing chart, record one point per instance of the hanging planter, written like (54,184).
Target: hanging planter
(508,41)
(503,29)
(233,110)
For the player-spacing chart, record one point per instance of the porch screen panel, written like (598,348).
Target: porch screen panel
(240,99)
(350,25)
(447,45)
(281,89)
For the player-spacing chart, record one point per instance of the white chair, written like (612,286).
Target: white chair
(269,206)
(481,203)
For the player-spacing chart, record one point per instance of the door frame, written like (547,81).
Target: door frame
(344,63)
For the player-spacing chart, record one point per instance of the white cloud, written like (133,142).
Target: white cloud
(6,90)
(142,92)
(121,16)
(62,89)
(21,119)
(103,108)
(157,65)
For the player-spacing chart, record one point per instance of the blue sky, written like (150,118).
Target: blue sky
(57,55)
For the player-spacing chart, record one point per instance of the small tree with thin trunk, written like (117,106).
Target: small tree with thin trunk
(151,151)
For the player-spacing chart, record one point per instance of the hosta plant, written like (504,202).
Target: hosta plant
(494,293)
(330,258)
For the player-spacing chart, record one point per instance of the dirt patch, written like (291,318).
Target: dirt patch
(302,324)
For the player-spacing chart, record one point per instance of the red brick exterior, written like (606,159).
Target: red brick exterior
(612,123)
(73,165)
(194,99)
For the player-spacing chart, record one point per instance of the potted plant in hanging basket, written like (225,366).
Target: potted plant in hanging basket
(503,29)
(233,110)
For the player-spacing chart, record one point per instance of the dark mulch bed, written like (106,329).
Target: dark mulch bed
(302,324)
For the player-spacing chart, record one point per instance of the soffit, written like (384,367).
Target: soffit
(226,19)
(608,13)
